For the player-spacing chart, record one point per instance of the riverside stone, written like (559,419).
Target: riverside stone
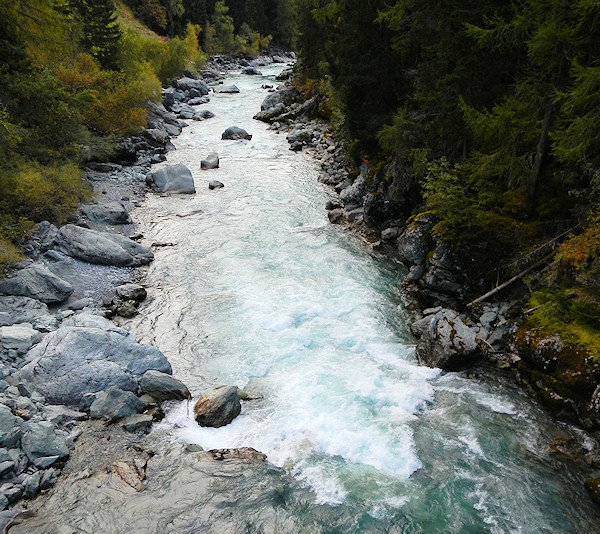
(185,84)
(19,337)
(235,132)
(31,485)
(211,161)
(172,179)
(111,213)
(132,292)
(447,343)
(133,423)
(218,407)
(163,387)
(102,247)
(73,361)
(114,404)
(38,282)
(10,427)
(42,440)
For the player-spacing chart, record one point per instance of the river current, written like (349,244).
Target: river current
(259,290)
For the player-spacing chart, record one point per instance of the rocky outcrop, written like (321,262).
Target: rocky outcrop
(87,358)
(211,161)
(233,133)
(447,342)
(102,247)
(19,337)
(218,407)
(565,377)
(172,179)
(36,281)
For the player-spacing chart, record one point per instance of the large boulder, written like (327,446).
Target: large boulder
(102,247)
(38,282)
(114,404)
(163,387)
(172,179)
(272,100)
(234,133)
(447,342)
(75,360)
(251,71)
(111,213)
(28,310)
(187,84)
(218,407)
(211,161)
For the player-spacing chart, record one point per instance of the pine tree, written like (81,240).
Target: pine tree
(100,32)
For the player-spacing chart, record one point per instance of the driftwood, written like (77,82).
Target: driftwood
(511,281)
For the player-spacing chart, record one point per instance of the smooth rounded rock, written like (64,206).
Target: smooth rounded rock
(215,184)
(163,387)
(102,248)
(234,133)
(172,179)
(218,407)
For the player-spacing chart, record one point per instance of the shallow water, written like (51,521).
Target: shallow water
(259,290)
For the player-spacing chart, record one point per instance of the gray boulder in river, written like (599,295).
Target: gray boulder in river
(234,133)
(227,89)
(37,282)
(218,407)
(75,360)
(102,247)
(447,342)
(163,387)
(211,161)
(172,179)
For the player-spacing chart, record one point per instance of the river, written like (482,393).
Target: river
(259,290)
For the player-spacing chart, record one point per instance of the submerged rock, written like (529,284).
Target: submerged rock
(218,407)
(102,247)
(172,179)
(234,132)
(243,453)
(447,343)
(38,282)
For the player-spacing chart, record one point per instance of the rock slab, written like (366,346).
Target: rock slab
(102,248)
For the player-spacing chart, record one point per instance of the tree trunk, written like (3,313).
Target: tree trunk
(540,151)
